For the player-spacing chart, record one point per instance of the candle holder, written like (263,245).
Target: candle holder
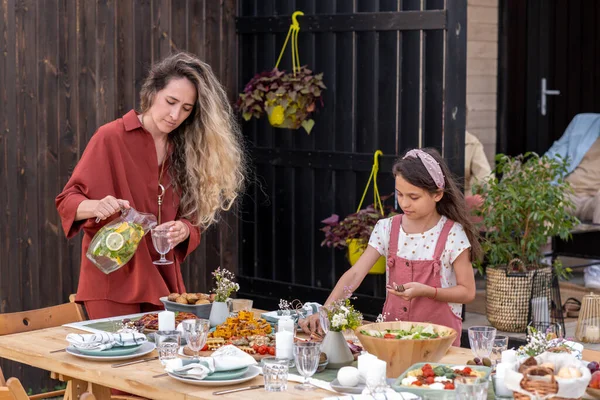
(588,324)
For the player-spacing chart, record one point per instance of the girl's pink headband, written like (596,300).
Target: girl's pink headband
(432,166)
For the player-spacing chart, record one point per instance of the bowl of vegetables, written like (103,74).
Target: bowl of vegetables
(403,343)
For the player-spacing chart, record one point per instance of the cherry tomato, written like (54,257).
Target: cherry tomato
(449,386)
(205,347)
(389,336)
(430,380)
(467,370)
(417,383)
(262,349)
(272,351)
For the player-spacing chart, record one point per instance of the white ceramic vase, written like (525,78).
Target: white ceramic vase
(218,313)
(337,350)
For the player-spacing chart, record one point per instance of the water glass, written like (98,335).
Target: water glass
(481,339)
(275,373)
(160,240)
(306,355)
(471,389)
(500,345)
(167,343)
(195,332)
(237,305)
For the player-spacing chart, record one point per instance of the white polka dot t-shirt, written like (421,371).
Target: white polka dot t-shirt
(421,246)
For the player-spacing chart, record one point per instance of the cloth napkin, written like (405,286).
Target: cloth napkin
(308,309)
(225,358)
(105,340)
(390,394)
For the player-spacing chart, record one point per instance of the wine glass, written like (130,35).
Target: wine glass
(307,356)
(195,332)
(161,244)
(481,339)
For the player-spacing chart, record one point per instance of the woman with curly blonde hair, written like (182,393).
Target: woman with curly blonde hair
(181,158)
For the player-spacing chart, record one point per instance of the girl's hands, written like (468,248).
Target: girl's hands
(311,324)
(108,206)
(411,290)
(178,232)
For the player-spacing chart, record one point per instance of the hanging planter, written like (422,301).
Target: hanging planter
(288,99)
(353,232)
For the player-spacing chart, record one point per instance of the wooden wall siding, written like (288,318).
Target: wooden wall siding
(385,91)
(67,67)
(482,72)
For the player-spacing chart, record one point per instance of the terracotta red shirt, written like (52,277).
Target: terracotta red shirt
(120,160)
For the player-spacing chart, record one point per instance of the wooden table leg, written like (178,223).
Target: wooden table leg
(75,388)
(100,392)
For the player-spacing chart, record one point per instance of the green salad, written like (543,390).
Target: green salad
(418,332)
(117,242)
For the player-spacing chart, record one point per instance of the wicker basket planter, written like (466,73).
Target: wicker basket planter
(508,296)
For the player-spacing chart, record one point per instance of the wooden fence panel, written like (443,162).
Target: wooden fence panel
(67,67)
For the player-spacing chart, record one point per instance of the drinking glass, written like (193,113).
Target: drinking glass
(167,343)
(196,333)
(307,356)
(500,344)
(238,305)
(275,373)
(161,244)
(481,339)
(471,389)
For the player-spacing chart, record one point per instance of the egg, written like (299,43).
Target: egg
(348,376)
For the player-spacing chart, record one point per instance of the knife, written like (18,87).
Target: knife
(238,389)
(134,362)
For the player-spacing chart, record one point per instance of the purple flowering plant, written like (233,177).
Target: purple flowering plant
(358,225)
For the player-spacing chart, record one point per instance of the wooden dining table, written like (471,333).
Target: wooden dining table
(35,349)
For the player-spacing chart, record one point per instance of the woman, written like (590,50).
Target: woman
(183,150)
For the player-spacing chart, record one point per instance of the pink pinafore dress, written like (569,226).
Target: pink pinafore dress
(402,270)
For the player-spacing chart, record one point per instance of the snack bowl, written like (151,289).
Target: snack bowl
(593,393)
(323,361)
(402,353)
(200,310)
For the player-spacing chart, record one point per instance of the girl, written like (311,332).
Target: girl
(180,159)
(429,248)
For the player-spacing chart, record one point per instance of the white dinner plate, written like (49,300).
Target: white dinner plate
(142,351)
(252,372)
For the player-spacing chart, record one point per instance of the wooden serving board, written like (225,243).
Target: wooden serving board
(208,353)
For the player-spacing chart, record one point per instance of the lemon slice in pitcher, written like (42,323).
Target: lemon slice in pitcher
(115,241)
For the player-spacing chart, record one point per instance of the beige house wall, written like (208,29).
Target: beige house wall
(482,72)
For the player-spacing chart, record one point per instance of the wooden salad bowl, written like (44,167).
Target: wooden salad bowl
(400,354)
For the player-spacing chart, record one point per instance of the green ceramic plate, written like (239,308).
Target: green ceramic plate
(397,385)
(115,351)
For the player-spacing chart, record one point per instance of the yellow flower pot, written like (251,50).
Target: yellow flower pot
(354,253)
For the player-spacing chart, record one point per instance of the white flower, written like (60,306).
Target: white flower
(344,309)
(338,321)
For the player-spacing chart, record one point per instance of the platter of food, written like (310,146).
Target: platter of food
(424,378)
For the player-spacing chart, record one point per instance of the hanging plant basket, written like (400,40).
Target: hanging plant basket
(288,99)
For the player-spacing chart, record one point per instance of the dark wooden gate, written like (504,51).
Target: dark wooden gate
(67,67)
(395,72)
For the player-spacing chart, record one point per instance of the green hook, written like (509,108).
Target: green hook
(295,15)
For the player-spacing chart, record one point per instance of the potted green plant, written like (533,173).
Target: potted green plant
(525,203)
(289,99)
(353,232)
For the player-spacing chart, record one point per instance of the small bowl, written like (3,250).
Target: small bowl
(199,310)
(323,364)
(594,393)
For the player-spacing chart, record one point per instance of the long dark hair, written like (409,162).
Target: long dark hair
(452,205)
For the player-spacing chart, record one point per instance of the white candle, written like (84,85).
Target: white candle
(285,324)
(166,321)
(592,333)
(539,309)
(509,356)
(376,372)
(284,343)
(364,361)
